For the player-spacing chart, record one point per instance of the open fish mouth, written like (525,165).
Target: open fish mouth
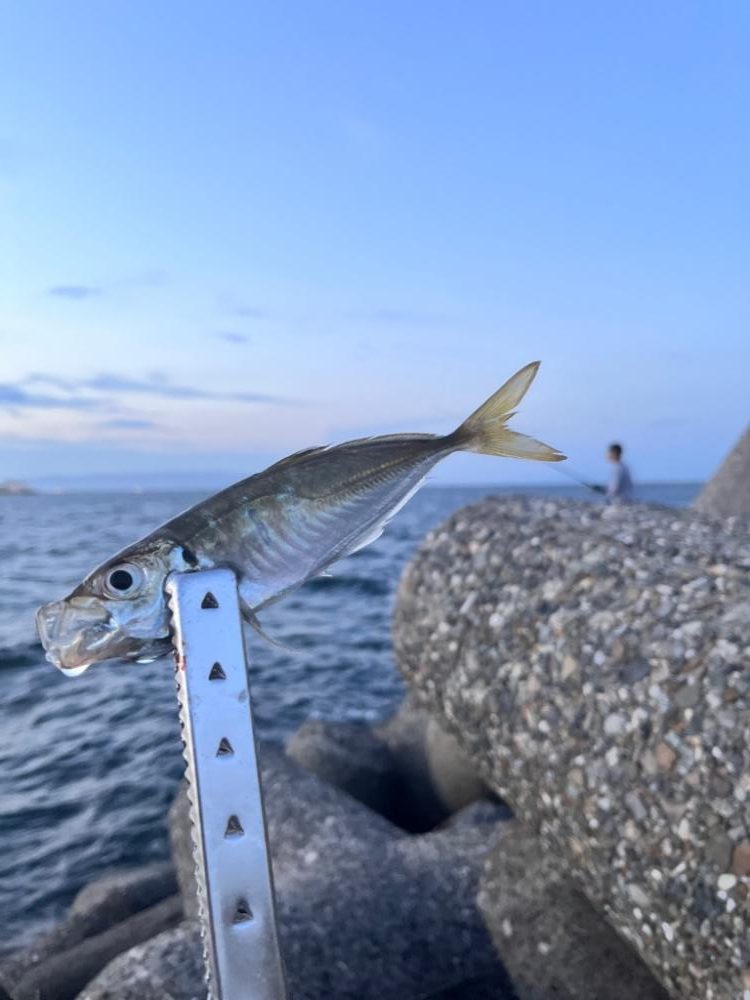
(73,636)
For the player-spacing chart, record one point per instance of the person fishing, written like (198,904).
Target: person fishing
(620,489)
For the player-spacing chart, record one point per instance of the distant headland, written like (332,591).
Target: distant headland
(13,487)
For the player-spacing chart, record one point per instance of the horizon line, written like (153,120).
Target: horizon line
(440,485)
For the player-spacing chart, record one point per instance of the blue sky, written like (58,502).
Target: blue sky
(228,231)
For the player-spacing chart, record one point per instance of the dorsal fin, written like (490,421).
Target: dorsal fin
(298,456)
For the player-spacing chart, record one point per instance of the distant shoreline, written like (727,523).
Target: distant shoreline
(15,488)
(135,490)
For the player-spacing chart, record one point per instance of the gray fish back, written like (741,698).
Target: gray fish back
(289,523)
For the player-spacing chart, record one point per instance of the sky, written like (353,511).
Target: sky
(232,230)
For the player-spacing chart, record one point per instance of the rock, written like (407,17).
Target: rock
(626,780)
(405,734)
(741,859)
(432,773)
(63,976)
(182,852)
(407,769)
(364,910)
(478,988)
(727,493)
(402,918)
(454,777)
(302,816)
(168,967)
(350,756)
(665,756)
(120,893)
(114,897)
(551,939)
(485,812)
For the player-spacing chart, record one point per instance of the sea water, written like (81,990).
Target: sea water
(88,766)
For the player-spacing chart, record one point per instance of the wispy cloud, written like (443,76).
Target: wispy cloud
(109,382)
(74,291)
(147,277)
(54,381)
(250,312)
(154,385)
(14,397)
(129,424)
(232,338)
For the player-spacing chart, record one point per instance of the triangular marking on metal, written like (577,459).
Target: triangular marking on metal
(243,913)
(209,601)
(225,748)
(217,673)
(234,827)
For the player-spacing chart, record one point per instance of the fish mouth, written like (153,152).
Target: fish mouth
(74,635)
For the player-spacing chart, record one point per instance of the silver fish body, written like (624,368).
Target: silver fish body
(276,530)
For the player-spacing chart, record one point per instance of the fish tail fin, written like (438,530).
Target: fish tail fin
(485,430)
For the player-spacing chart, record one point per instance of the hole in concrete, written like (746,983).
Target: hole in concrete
(225,748)
(217,673)
(209,601)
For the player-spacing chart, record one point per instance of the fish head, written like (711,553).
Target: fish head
(118,612)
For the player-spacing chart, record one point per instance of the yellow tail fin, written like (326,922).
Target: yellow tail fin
(485,430)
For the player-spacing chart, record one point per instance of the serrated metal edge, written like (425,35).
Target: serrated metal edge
(195,816)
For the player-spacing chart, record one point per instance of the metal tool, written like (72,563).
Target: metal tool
(235,885)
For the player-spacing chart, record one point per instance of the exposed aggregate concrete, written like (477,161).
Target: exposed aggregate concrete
(728,491)
(593,662)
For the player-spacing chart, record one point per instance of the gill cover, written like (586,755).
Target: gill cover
(118,612)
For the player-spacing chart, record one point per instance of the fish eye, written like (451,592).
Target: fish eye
(123,580)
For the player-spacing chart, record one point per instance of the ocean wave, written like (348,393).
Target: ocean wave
(368,586)
(92,763)
(23,655)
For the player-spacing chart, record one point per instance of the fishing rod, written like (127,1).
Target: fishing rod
(566,469)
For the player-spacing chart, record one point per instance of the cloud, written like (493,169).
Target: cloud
(232,338)
(109,382)
(129,424)
(250,312)
(54,381)
(74,291)
(155,385)
(13,396)
(150,277)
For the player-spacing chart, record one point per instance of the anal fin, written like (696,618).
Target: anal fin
(253,621)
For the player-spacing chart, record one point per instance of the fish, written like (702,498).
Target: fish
(275,530)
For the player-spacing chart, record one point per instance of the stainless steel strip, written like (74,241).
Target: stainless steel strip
(229,833)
